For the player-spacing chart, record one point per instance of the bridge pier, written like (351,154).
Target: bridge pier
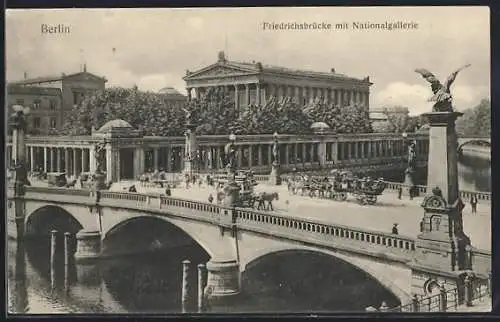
(88,245)
(224,279)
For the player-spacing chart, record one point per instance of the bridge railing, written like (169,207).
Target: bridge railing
(58,191)
(464,194)
(182,207)
(448,300)
(64,195)
(480,261)
(331,234)
(124,196)
(203,211)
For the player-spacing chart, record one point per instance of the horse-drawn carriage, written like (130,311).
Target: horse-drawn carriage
(247,198)
(366,190)
(337,187)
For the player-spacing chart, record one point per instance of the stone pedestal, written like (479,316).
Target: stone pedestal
(275,177)
(441,248)
(223,279)
(409,180)
(88,246)
(188,166)
(99,181)
(231,194)
(190,149)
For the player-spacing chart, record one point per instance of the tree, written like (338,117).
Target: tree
(284,116)
(143,110)
(214,113)
(475,121)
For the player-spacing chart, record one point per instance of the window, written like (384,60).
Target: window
(75,97)
(37,122)
(36,104)
(53,122)
(20,101)
(53,104)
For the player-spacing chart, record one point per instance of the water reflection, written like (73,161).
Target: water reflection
(475,174)
(287,282)
(18,290)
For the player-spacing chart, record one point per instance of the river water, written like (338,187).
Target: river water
(151,283)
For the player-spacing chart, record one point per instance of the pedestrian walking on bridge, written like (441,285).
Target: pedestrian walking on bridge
(473,203)
(395,229)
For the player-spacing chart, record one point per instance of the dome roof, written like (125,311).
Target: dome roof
(114,124)
(169,91)
(319,125)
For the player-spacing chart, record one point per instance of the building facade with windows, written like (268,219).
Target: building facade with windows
(254,83)
(379,117)
(173,97)
(50,98)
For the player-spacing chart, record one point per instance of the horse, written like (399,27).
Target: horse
(265,196)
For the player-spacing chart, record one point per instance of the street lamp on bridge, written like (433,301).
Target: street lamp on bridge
(274,177)
(405,136)
(18,123)
(231,188)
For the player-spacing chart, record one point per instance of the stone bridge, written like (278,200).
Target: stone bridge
(486,141)
(234,238)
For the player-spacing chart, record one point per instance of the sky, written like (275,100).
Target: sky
(153,48)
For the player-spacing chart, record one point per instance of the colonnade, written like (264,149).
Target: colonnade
(297,153)
(259,93)
(72,160)
(130,161)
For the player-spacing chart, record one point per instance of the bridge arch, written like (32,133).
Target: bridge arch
(483,142)
(393,277)
(156,225)
(51,217)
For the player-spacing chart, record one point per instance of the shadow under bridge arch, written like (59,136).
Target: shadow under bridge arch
(47,218)
(320,279)
(146,234)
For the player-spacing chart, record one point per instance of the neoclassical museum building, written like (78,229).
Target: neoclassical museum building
(254,83)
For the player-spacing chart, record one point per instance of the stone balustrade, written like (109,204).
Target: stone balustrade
(123,196)
(328,234)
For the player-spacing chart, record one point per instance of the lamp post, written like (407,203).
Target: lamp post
(405,136)
(190,147)
(411,168)
(231,189)
(274,177)
(18,164)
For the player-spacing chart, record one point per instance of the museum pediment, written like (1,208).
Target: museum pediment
(219,71)
(83,76)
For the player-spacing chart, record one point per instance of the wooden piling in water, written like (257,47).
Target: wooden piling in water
(67,248)
(185,285)
(53,245)
(67,254)
(202,282)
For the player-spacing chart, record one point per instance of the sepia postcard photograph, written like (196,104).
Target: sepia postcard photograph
(308,160)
